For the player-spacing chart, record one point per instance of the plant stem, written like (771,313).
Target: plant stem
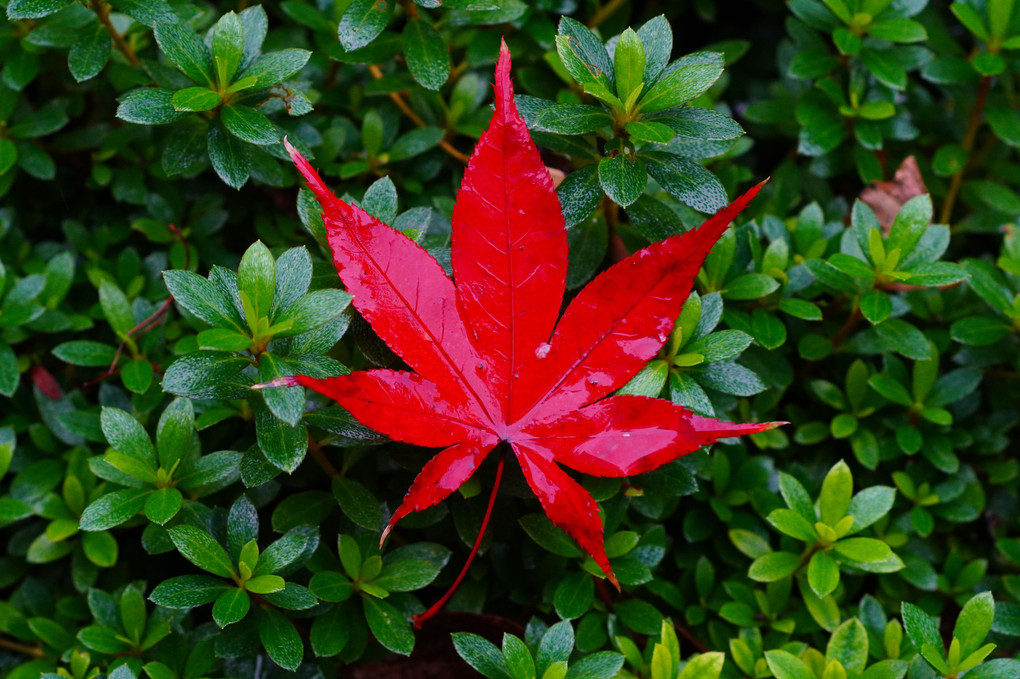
(25,649)
(973,125)
(150,322)
(315,450)
(604,12)
(844,332)
(419,619)
(402,105)
(102,10)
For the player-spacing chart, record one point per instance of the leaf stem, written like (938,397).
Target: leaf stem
(419,619)
(852,320)
(402,105)
(150,322)
(102,11)
(320,457)
(604,12)
(25,649)
(973,125)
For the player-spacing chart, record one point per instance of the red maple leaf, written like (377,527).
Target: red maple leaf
(491,362)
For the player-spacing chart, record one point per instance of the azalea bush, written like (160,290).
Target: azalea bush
(587,398)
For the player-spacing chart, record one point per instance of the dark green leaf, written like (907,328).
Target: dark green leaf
(363,21)
(425,50)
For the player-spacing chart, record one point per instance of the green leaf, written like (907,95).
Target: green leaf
(863,550)
(34,9)
(388,625)
(910,224)
(227,48)
(187,591)
(103,640)
(848,645)
(8,155)
(749,543)
(679,87)
(549,537)
(785,665)
(273,68)
(231,606)
(974,622)
(150,106)
(773,566)
(113,509)
(796,497)
(100,548)
(687,181)
(184,49)
(601,665)
(363,21)
(256,278)
(331,586)
(869,505)
(358,503)
(90,53)
(876,306)
(116,308)
(903,338)
(572,119)
(556,646)
(921,629)
(163,505)
(481,654)
(750,286)
(622,178)
(230,157)
(207,374)
(85,353)
(970,18)
(579,194)
(249,125)
(574,595)
(518,657)
(898,30)
(583,54)
(280,639)
(127,436)
(703,665)
(793,524)
(313,310)
(203,298)
(886,68)
(201,549)
(428,58)
(195,99)
(823,574)
(628,64)
(653,132)
(837,490)
(265,584)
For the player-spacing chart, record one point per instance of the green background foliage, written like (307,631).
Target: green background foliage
(161,519)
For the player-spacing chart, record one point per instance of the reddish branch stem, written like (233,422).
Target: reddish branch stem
(973,125)
(416,119)
(150,322)
(419,619)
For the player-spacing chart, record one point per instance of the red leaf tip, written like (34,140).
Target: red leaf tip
(311,176)
(504,88)
(278,382)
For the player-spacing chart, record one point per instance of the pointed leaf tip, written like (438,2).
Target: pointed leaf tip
(504,88)
(278,382)
(312,178)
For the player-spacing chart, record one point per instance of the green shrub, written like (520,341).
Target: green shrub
(158,259)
